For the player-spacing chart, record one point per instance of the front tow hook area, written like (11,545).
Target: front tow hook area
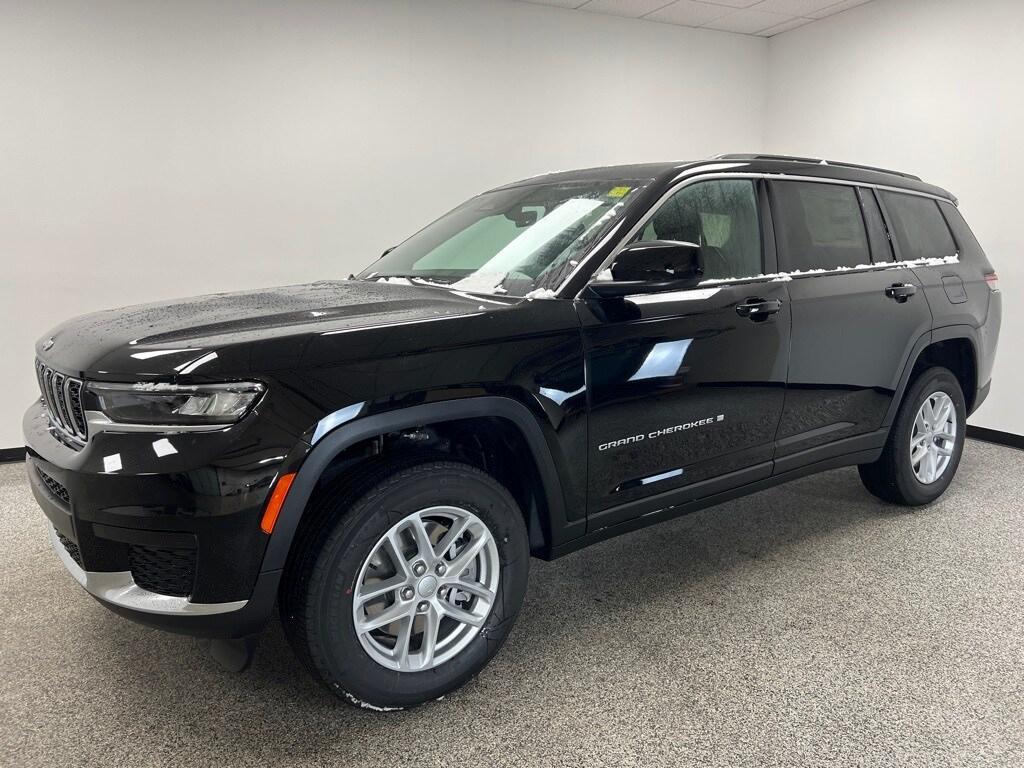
(234,655)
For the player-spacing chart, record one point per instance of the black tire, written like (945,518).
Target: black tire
(892,477)
(317,595)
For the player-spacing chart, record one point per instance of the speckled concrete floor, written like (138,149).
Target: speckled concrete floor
(806,625)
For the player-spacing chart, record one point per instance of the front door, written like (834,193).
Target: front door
(686,388)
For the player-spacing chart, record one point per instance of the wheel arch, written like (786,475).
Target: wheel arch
(954,347)
(550,516)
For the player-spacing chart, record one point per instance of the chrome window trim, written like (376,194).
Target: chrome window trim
(119,588)
(694,177)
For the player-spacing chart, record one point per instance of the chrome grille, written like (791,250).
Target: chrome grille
(62,396)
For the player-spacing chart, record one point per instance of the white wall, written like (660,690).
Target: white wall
(935,88)
(151,149)
(158,149)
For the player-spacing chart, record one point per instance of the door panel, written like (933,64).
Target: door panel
(854,324)
(682,389)
(850,341)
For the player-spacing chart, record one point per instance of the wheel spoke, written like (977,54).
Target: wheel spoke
(389,615)
(941,451)
(919,453)
(378,588)
(402,642)
(928,411)
(473,588)
(462,560)
(422,538)
(458,527)
(431,624)
(394,546)
(919,422)
(946,436)
(944,411)
(462,615)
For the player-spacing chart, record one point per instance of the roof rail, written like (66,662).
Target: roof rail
(816,161)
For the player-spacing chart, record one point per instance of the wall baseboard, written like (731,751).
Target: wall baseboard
(12,454)
(996,436)
(978,433)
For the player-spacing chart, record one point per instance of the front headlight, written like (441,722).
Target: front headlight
(174,405)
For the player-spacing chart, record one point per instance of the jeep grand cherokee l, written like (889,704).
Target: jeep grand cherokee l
(554,362)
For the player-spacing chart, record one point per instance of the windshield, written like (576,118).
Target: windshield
(520,241)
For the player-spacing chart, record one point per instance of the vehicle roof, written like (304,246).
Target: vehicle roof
(767,164)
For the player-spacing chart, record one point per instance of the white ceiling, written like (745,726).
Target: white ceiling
(750,17)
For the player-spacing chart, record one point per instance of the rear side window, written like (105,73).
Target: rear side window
(920,230)
(721,217)
(965,238)
(819,226)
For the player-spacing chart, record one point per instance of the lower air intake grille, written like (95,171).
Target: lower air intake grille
(71,548)
(165,571)
(54,487)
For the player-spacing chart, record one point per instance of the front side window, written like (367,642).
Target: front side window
(819,226)
(721,217)
(519,241)
(919,227)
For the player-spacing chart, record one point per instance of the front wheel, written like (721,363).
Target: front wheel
(925,442)
(413,588)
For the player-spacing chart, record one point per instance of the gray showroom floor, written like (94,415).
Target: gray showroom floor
(806,625)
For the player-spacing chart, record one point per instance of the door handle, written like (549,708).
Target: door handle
(758,309)
(901,292)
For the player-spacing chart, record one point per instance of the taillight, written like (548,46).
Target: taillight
(992,279)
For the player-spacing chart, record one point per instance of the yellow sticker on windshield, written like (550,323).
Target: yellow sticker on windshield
(619,191)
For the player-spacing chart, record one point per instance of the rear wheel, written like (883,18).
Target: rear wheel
(925,442)
(412,586)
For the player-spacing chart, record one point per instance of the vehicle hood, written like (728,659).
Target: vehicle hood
(187,336)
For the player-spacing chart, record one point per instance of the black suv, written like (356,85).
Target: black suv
(552,363)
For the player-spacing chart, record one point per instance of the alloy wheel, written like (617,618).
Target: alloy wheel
(426,588)
(933,437)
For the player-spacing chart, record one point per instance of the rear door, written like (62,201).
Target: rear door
(686,387)
(857,314)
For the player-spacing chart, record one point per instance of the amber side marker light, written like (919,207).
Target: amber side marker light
(992,279)
(277,497)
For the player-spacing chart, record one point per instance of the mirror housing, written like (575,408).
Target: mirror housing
(651,266)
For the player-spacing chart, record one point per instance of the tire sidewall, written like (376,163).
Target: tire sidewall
(339,656)
(931,381)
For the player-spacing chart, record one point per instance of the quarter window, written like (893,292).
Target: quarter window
(819,226)
(721,217)
(917,223)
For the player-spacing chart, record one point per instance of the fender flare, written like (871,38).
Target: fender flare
(945,333)
(336,441)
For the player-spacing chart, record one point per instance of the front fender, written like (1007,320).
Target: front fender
(329,445)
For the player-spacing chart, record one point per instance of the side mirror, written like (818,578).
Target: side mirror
(651,266)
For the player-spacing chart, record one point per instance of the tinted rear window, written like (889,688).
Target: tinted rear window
(819,226)
(965,238)
(920,230)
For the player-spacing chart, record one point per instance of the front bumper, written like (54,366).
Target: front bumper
(118,589)
(168,539)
